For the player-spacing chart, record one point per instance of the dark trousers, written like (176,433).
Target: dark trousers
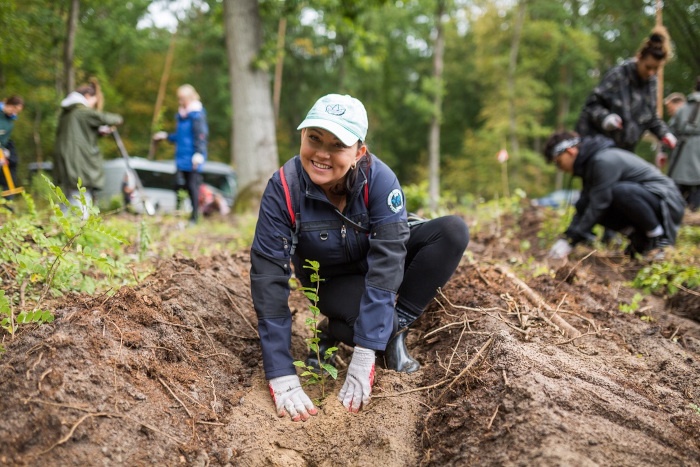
(189,181)
(434,250)
(691,195)
(632,206)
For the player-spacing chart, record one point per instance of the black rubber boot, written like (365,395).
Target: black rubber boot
(396,356)
(326,342)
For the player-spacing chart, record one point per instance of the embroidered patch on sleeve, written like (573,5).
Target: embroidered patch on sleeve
(395,200)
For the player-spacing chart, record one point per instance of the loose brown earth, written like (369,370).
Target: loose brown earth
(545,373)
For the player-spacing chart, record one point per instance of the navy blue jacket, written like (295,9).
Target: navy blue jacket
(338,246)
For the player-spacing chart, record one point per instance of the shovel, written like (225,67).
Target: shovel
(147,205)
(12,190)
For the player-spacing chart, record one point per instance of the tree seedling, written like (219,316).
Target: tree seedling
(312,374)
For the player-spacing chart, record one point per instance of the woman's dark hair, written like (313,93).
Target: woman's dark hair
(363,164)
(555,139)
(14,100)
(657,45)
(697,84)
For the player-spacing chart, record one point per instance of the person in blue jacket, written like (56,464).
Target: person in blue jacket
(378,272)
(190,138)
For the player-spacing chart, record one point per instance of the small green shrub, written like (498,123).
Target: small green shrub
(667,276)
(633,305)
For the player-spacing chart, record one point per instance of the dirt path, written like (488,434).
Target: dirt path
(168,373)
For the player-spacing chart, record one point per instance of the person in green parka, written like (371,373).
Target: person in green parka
(77,155)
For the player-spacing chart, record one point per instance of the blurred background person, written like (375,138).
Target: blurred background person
(77,154)
(684,163)
(190,138)
(623,105)
(10,109)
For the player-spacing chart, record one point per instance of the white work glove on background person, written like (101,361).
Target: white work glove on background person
(197,159)
(358,383)
(669,140)
(560,249)
(290,398)
(160,135)
(104,130)
(612,122)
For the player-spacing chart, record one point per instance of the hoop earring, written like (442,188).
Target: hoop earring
(353,165)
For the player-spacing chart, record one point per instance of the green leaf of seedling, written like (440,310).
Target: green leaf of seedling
(311,296)
(300,364)
(330,369)
(329,352)
(313,346)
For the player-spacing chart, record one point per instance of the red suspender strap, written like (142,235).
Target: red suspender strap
(288,198)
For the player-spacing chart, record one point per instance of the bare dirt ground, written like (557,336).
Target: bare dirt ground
(542,371)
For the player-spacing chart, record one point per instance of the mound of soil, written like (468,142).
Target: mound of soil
(547,372)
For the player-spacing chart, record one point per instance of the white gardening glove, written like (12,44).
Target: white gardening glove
(612,122)
(4,156)
(104,130)
(357,389)
(290,398)
(160,135)
(669,140)
(197,160)
(560,249)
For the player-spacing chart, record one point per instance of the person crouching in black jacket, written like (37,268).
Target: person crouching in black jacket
(621,192)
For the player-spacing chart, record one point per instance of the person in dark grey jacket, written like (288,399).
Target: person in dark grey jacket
(684,163)
(621,191)
(378,272)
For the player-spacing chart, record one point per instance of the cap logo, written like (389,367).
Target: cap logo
(335,109)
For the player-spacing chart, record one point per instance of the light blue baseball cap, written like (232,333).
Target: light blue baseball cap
(344,116)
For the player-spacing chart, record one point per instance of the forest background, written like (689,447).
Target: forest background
(511,73)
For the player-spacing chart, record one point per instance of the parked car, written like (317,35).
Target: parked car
(158,180)
(558,198)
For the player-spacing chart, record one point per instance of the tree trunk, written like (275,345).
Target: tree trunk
(69,47)
(512,69)
(254,144)
(161,94)
(434,137)
(279,66)
(566,82)
(36,135)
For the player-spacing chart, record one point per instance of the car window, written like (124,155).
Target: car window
(150,179)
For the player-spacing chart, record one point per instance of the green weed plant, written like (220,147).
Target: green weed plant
(633,305)
(49,257)
(667,277)
(312,375)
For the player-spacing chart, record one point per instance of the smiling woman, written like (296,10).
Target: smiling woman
(341,206)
